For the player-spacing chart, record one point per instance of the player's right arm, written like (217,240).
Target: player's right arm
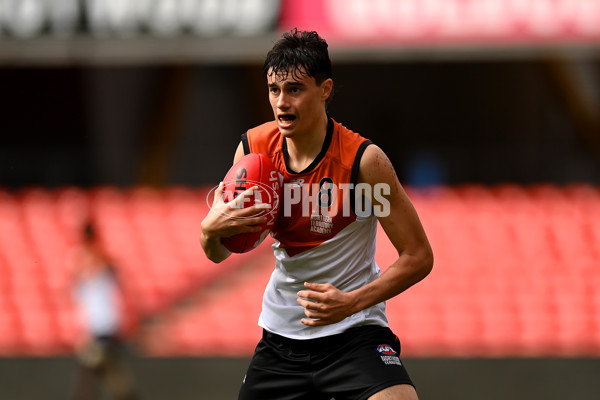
(225,219)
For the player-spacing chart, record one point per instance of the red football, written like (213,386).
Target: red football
(253,170)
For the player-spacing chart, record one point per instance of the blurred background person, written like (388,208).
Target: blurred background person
(98,294)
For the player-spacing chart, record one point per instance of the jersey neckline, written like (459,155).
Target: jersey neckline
(320,156)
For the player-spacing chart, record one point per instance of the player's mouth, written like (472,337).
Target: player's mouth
(286,120)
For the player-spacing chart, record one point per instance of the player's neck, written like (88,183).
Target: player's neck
(303,149)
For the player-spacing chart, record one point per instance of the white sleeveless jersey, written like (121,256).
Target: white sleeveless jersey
(345,261)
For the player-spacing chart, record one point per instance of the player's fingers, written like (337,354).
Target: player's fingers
(309,296)
(316,291)
(255,209)
(309,305)
(312,309)
(243,197)
(312,314)
(249,228)
(218,193)
(313,322)
(319,287)
(250,215)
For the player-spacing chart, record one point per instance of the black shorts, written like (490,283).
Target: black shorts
(352,365)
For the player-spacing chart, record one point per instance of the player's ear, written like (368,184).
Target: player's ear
(326,88)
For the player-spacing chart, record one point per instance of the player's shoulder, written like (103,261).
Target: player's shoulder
(374,154)
(349,145)
(264,138)
(347,135)
(375,164)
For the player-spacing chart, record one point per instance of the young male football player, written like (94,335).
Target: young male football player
(325,331)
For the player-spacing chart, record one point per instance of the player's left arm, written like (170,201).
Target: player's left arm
(325,304)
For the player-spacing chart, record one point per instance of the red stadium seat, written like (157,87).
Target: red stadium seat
(516,271)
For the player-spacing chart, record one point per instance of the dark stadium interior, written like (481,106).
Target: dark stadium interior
(440,122)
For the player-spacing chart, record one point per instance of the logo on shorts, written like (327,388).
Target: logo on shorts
(386,349)
(388,355)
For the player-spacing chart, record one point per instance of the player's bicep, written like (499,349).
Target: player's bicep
(395,211)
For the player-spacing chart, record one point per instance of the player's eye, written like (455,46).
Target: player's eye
(274,90)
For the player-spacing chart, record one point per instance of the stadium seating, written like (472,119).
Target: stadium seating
(517,272)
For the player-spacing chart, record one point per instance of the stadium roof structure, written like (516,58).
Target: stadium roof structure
(147,50)
(241,31)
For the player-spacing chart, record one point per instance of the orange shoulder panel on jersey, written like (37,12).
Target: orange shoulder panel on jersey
(267,140)
(318,202)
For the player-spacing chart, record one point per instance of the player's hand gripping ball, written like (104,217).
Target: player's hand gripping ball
(253,170)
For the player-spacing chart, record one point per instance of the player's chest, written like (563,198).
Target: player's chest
(316,205)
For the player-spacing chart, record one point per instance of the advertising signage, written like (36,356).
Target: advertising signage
(433,21)
(127,18)
(372,22)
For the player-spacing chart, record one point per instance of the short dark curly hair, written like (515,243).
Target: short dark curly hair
(299,52)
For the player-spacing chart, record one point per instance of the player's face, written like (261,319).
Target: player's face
(298,102)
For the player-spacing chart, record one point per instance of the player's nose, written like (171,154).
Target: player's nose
(283,101)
